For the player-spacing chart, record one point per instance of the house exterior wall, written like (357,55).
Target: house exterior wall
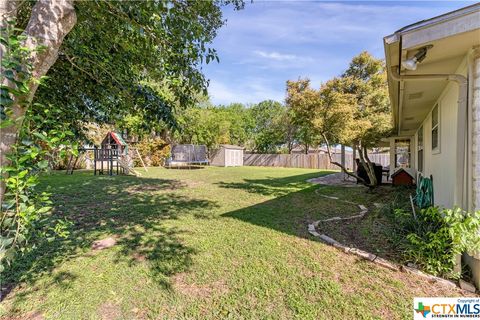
(475,78)
(473,258)
(441,163)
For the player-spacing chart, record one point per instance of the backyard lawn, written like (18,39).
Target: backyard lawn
(207,243)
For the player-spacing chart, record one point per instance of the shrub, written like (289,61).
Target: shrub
(436,236)
(154,151)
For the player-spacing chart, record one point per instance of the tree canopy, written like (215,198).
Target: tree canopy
(132,58)
(352,109)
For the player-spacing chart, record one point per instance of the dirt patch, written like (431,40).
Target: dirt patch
(368,233)
(196,290)
(335,179)
(139,314)
(139,257)
(104,243)
(193,184)
(109,311)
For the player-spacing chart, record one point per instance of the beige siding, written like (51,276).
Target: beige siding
(475,141)
(441,163)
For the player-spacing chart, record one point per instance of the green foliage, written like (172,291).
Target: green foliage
(320,114)
(22,208)
(154,151)
(303,103)
(15,74)
(132,58)
(265,127)
(212,126)
(353,109)
(436,236)
(365,81)
(269,131)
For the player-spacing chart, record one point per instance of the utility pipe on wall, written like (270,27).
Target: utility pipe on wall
(462,83)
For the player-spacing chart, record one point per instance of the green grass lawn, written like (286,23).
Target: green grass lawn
(208,243)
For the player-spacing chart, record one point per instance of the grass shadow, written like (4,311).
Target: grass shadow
(296,205)
(129,208)
(272,186)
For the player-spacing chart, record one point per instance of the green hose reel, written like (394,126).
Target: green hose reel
(424,192)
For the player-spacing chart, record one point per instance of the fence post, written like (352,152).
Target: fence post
(354,165)
(95,156)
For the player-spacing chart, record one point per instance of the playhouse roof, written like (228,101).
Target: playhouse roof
(116,137)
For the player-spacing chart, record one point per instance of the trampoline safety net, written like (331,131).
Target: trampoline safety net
(189,153)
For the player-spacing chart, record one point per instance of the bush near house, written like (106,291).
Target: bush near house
(434,237)
(154,151)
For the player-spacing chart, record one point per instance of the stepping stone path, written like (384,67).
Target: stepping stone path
(335,179)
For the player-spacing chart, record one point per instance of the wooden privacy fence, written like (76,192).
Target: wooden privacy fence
(308,161)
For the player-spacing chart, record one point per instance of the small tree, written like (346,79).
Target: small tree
(302,102)
(352,110)
(365,81)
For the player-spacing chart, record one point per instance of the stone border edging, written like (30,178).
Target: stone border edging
(372,257)
(312,229)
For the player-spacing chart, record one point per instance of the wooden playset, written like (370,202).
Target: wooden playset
(113,157)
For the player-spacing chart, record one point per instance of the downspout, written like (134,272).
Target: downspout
(462,82)
(468,161)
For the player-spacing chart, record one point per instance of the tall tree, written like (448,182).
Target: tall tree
(103,69)
(302,102)
(214,125)
(352,109)
(49,23)
(269,130)
(365,81)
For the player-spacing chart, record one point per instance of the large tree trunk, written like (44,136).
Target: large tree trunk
(341,166)
(367,165)
(49,23)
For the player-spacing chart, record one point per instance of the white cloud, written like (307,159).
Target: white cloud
(270,42)
(222,93)
(275,55)
(253,90)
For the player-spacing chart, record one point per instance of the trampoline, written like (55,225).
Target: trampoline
(187,154)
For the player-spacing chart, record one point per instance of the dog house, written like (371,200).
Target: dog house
(227,156)
(403,177)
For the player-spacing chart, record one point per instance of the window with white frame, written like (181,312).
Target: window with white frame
(435,128)
(420,149)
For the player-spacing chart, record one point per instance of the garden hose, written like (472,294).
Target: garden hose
(424,192)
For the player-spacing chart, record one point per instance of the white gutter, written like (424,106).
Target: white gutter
(459,198)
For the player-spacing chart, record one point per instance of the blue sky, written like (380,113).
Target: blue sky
(270,42)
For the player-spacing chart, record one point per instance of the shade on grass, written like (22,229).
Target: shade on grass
(210,243)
